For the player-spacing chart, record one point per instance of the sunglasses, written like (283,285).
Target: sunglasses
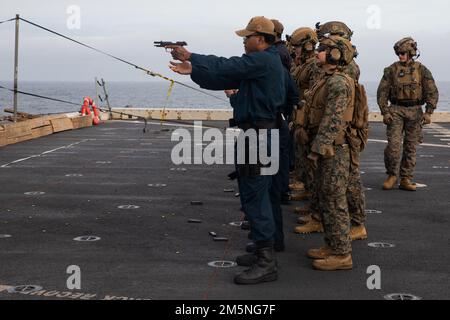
(322,48)
(402,53)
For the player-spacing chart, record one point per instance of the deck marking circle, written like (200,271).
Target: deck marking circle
(157,185)
(87,238)
(5,236)
(381,245)
(29,288)
(128,207)
(236,224)
(34,193)
(370,211)
(222,264)
(401,296)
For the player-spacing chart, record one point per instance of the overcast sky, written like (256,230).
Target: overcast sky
(128,29)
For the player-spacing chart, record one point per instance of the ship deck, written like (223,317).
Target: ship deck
(79,180)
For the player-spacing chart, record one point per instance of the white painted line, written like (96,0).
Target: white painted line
(171,124)
(43,153)
(442,136)
(423,144)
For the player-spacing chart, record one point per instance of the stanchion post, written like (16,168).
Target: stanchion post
(16,67)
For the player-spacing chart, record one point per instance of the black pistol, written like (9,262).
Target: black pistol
(163,44)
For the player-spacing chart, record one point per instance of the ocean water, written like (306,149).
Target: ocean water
(142,94)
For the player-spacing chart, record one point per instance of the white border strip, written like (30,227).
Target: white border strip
(43,153)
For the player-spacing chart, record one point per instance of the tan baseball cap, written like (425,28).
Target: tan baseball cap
(279,28)
(258,25)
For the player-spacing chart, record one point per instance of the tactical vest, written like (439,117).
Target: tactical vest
(305,76)
(352,70)
(406,89)
(317,101)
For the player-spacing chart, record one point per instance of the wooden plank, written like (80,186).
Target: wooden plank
(17,130)
(19,139)
(62,124)
(39,122)
(22,114)
(3,140)
(42,131)
(82,122)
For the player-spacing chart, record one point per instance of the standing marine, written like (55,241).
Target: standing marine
(303,42)
(331,101)
(405,87)
(358,135)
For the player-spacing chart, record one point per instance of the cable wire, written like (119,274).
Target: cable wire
(9,20)
(149,72)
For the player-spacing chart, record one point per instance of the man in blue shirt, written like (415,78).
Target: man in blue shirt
(262,93)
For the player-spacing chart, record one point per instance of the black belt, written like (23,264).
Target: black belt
(259,125)
(407,103)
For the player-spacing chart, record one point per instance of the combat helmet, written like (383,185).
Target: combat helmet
(335,28)
(305,38)
(408,45)
(340,51)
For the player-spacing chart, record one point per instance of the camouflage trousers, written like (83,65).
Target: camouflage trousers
(355,192)
(300,158)
(333,178)
(356,199)
(309,178)
(405,129)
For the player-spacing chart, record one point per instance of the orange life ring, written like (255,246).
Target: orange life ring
(86,111)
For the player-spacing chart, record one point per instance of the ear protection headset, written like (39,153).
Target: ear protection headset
(413,51)
(334,55)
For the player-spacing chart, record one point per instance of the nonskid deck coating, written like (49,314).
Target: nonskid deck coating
(152,252)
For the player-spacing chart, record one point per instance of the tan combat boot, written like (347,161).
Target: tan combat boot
(390,182)
(302,210)
(300,196)
(304,219)
(334,262)
(313,226)
(321,253)
(358,233)
(406,184)
(297,186)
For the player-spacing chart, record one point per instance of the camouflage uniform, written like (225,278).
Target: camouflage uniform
(406,95)
(355,193)
(331,99)
(304,75)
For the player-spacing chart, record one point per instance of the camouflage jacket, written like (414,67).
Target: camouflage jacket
(352,70)
(336,95)
(386,92)
(305,75)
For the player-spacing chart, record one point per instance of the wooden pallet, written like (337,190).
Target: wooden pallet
(36,127)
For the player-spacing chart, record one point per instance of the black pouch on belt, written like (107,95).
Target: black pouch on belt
(246,169)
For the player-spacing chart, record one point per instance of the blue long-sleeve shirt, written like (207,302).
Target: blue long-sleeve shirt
(292,96)
(259,76)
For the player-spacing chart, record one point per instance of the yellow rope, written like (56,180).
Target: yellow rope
(169,93)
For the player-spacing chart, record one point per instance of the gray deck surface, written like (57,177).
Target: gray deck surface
(152,252)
